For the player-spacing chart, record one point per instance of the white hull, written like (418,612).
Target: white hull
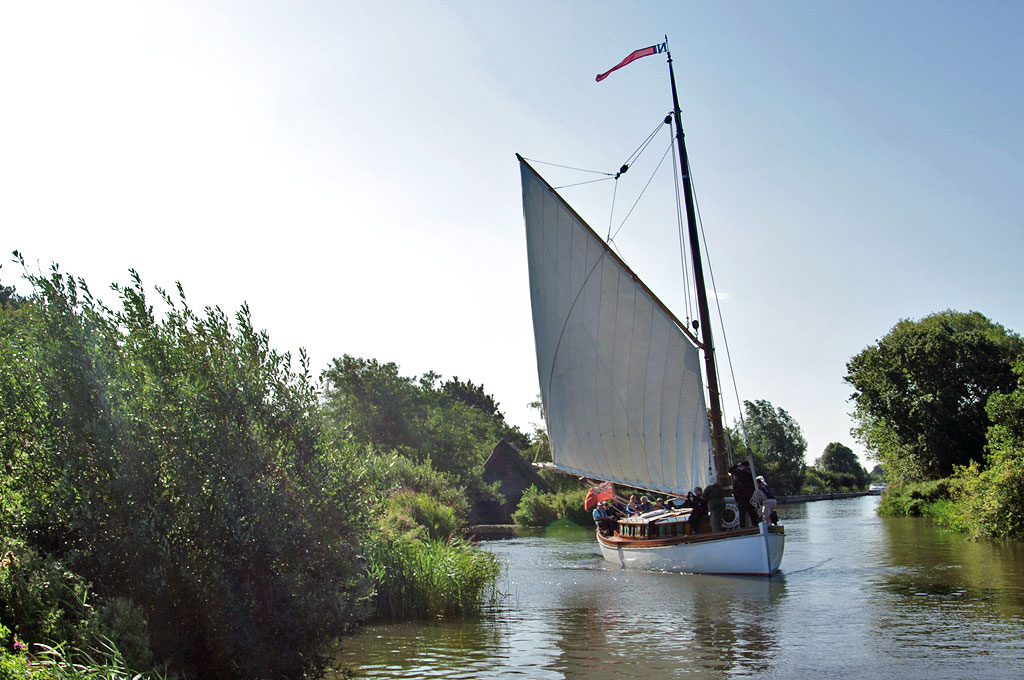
(734,553)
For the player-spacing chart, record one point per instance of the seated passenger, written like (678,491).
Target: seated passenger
(605,523)
(633,508)
(645,504)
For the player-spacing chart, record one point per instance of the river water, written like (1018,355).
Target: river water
(857,595)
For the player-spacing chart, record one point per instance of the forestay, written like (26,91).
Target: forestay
(620,381)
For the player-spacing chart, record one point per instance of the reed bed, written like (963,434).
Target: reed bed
(423,579)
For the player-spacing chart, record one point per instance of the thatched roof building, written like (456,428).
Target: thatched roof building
(514,475)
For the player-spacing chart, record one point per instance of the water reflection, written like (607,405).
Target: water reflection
(858,596)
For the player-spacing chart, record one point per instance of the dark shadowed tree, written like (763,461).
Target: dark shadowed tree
(8,297)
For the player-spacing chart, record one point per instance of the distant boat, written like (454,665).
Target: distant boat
(877,488)
(622,389)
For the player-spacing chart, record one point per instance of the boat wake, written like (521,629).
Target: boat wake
(813,566)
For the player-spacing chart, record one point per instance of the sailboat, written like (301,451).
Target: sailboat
(621,383)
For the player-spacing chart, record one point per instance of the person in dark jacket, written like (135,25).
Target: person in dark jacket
(715,497)
(604,521)
(742,490)
(699,510)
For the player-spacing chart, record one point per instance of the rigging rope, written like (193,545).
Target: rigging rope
(644,190)
(718,305)
(569,167)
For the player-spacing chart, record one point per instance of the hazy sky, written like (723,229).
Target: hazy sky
(348,168)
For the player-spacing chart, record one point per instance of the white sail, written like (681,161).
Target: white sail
(620,381)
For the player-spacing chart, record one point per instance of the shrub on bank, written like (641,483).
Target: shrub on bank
(418,515)
(916,500)
(179,463)
(817,480)
(65,662)
(538,509)
(41,601)
(992,500)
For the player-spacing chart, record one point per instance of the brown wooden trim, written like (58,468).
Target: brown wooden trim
(619,541)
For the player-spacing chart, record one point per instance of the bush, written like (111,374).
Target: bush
(398,473)
(40,600)
(818,480)
(535,509)
(418,514)
(180,463)
(538,509)
(43,603)
(913,500)
(991,502)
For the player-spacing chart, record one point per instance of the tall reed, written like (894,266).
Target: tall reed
(422,579)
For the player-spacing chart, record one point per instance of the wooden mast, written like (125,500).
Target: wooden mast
(718,447)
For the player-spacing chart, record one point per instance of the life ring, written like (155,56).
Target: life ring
(730,516)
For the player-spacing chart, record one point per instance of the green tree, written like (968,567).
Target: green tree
(778,445)
(454,427)
(841,459)
(475,396)
(920,392)
(374,402)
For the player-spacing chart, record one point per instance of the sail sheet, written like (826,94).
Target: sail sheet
(620,381)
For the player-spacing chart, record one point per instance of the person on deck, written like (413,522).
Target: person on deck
(742,490)
(633,508)
(768,505)
(715,497)
(698,511)
(645,504)
(605,522)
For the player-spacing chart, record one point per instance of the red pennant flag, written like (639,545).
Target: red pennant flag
(645,52)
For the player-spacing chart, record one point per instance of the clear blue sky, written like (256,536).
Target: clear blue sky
(348,168)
